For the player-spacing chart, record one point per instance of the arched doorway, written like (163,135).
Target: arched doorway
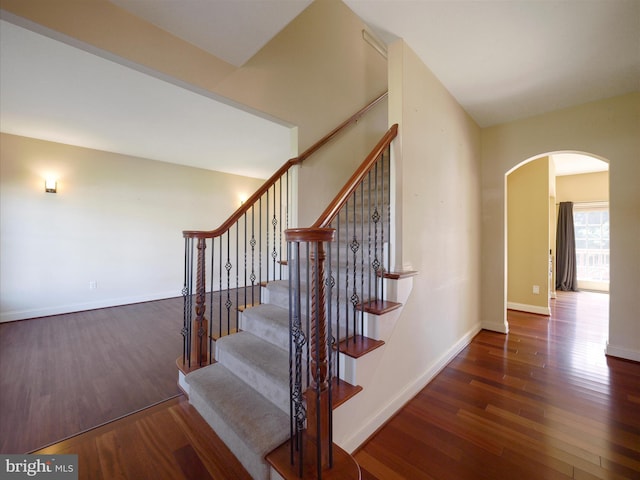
(533,189)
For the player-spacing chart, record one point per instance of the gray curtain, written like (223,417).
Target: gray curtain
(566,276)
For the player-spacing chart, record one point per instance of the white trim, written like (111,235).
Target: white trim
(622,352)
(523,307)
(182,383)
(500,327)
(79,307)
(410,391)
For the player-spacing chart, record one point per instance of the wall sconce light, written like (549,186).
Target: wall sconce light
(50,185)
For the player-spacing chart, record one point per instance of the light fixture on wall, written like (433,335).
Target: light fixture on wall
(50,185)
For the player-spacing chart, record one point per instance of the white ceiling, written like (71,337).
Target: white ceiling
(232,30)
(502,60)
(505,60)
(575,163)
(53,91)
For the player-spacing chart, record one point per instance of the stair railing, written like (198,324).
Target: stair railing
(336,270)
(224,268)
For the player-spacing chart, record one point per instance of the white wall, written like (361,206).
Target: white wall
(438,190)
(116,220)
(608,129)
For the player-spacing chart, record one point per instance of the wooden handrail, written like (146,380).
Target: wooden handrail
(329,136)
(281,171)
(334,207)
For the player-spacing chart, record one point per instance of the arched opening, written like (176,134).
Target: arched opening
(533,191)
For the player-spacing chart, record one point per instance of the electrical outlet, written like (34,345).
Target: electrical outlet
(93,284)
(536,289)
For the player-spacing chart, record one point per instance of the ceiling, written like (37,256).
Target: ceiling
(53,91)
(502,60)
(575,163)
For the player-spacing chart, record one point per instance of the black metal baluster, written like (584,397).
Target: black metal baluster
(329,284)
(280,229)
(369,256)
(228,267)
(376,218)
(338,247)
(244,244)
(260,242)
(187,296)
(362,296)
(347,310)
(274,222)
(237,268)
(210,309)
(220,288)
(267,234)
(252,242)
(354,249)
(387,211)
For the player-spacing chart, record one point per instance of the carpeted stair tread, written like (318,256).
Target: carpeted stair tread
(248,423)
(259,363)
(269,322)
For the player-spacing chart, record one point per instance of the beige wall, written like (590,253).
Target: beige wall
(315,74)
(116,220)
(586,187)
(438,194)
(608,129)
(528,237)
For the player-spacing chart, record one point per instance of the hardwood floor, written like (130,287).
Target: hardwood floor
(168,441)
(64,374)
(543,402)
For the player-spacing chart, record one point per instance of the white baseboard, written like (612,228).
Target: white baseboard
(500,327)
(377,420)
(523,307)
(79,307)
(622,352)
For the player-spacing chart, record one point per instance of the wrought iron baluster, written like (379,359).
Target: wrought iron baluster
(387,211)
(355,246)
(362,295)
(274,222)
(237,268)
(253,251)
(369,256)
(187,295)
(211,315)
(280,230)
(376,218)
(347,310)
(228,268)
(267,235)
(244,244)
(220,288)
(260,242)
(338,248)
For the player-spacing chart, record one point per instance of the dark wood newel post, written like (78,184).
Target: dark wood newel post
(317,395)
(199,331)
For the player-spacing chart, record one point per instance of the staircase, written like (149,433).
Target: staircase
(262,372)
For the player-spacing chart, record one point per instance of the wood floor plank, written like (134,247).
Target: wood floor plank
(542,402)
(65,374)
(547,400)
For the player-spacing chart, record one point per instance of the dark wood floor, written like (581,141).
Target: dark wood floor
(540,403)
(168,441)
(65,374)
(543,402)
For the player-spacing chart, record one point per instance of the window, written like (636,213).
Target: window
(591,224)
